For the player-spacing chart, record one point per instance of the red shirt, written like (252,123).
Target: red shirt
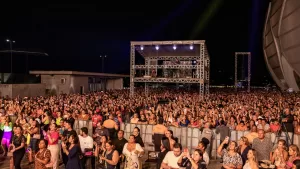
(54,136)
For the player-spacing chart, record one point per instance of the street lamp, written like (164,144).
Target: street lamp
(102,57)
(11,56)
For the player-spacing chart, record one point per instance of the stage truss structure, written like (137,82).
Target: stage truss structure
(236,81)
(187,61)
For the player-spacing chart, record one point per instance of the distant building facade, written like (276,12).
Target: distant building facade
(282,43)
(71,82)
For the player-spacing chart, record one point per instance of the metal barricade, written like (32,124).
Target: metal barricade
(189,137)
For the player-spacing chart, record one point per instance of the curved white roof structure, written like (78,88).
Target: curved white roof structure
(282,43)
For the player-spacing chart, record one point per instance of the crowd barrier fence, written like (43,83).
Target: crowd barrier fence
(189,137)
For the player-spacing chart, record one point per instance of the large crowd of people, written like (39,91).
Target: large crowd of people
(42,129)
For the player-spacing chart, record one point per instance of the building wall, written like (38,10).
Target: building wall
(5,90)
(282,43)
(114,84)
(22,90)
(28,90)
(56,84)
(77,81)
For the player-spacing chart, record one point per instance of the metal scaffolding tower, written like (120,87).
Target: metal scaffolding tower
(180,61)
(236,80)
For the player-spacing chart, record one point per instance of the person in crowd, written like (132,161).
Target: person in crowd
(252,135)
(279,156)
(100,148)
(294,154)
(172,157)
(138,138)
(72,151)
(172,140)
(86,145)
(43,156)
(112,126)
(35,135)
(208,134)
(196,161)
(241,126)
(251,162)
(164,149)
(7,133)
(52,138)
(135,118)
(262,145)
(202,146)
(100,131)
(65,139)
(110,157)
(287,120)
(231,158)
(132,151)
(244,148)
(119,143)
(223,130)
(158,132)
(18,147)
(296,164)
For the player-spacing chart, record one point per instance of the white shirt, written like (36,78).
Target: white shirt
(206,158)
(85,142)
(171,160)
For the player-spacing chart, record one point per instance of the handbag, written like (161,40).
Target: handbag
(88,152)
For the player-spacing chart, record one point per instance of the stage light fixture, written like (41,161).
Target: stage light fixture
(191,47)
(174,47)
(142,47)
(156,47)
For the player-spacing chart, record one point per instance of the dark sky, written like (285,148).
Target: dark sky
(75,35)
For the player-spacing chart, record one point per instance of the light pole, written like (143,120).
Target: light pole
(11,56)
(102,62)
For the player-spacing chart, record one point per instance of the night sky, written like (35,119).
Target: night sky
(75,35)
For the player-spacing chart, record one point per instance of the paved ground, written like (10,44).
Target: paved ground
(4,164)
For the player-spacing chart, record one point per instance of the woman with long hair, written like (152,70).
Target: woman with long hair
(18,147)
(251,162)
(101,148)
(172,140)
(132,151)
(110,157)
(294,155)
(43,156)
(52,137)
(35,135)
(244,148)
(164,149)
(72,152)
(280,155)
(196,161)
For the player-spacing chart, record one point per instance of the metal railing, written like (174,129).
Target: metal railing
(189,137)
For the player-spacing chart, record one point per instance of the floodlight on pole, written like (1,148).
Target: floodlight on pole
(156,47)
(142,47)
